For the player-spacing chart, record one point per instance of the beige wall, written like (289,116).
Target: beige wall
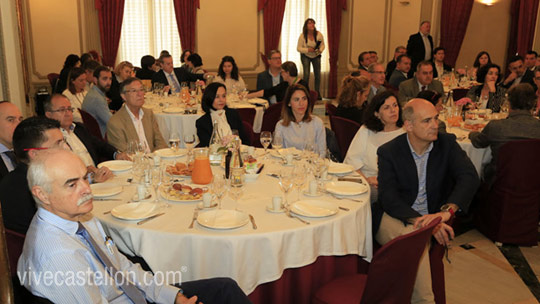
(487,30)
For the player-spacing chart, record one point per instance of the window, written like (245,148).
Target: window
(296,12)
(148,27)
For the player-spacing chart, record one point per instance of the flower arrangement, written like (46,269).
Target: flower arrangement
(229,143)
(463,101)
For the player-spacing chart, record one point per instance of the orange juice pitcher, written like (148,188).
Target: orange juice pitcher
(202,173)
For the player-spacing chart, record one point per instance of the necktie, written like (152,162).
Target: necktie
(133,293)
(175,86)
(423,88)
(11,155)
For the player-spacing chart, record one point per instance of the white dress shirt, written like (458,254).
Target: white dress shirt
(427,46)
(77,146)
(76,101)
(137,123)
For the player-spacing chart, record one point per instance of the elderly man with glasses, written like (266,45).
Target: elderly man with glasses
(377,78)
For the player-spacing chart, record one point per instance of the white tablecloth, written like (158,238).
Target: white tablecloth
(478,156)
(251,257)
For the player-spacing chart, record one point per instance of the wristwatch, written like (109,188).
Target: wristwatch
(447,208)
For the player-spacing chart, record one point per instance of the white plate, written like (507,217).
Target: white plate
(282,153)
(134,211)
(338,169)
(176,199)
(117,165)
(105,189)
(223,219)
(314,208)
(317,194)
(346,188)
(173,110)
(170,153)
(201,206)
(270,209)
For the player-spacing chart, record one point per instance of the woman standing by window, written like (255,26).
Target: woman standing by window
(310,46)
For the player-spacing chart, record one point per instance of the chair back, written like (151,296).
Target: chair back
(248,128)
(330,108)
(392,272)
(247,115)
(459,93)
(91,124)
(53,79)
(314,96)
(510,214)
(345,130)
(271,116)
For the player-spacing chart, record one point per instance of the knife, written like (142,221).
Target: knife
(106,199)
(260,169)
(150,218)
(349,179)
(195,215)
(252,219)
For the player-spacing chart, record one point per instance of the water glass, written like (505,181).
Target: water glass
(266,139)
(299,177)
(174,141)
(219,188)
(286,183)
(277,142)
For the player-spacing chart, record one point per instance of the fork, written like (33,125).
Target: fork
(347,198)
(288,213)
(195,214)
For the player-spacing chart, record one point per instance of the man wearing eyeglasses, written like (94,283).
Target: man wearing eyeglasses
(90,149)
(271,77)
(30,136)
(133,122)
(376,72)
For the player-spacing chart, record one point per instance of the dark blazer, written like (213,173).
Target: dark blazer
(264,81)
(528,77)
(205,127)
(390,67)
(416,49)
(446,67)
(3,169)
(451,178)
(114,94)
(98,149)
(181,74)
(281,89)
(145,74)
(352,113)
(396,78)
(18,206)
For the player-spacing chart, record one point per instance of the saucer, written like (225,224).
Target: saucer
(135,197)
(201,206)
(269,208)
(306,193)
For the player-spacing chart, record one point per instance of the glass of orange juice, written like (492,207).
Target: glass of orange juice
(202,173)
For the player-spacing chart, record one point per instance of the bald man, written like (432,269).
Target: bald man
(423,175)
(10,117)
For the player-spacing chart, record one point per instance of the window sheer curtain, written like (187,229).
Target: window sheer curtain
(149,27)
(296,13)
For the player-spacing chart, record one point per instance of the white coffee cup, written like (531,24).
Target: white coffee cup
(207,200)
(289,159)
(276,203)
(141,192)
(313,187)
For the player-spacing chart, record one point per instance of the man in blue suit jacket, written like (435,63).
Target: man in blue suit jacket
(423,175)
(272,76)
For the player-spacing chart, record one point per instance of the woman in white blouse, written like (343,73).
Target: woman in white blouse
(311,45)
(382,123)
(297,126)
(228,75)
(76,91)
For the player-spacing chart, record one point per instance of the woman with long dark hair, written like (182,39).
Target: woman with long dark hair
(311,45)
(76,91)
(71,61)
(228,75)
(489,94)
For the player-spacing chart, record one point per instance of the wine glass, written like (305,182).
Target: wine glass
(277,142)
(132,149)
(189,141)
(299,177)
(218,188)
(266,139)
(286,183)
(157,181)
(235,191)
(174,141)
(309,148)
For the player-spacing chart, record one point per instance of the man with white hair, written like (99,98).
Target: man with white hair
(65,240)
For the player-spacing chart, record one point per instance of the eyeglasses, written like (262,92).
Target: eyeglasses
(377,72)
(275,58)
(135,90)
(63,110)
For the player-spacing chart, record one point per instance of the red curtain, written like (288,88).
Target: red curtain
(110,15)
(523,22)
(186,19)
(272,20)
(454,19)
(334,10)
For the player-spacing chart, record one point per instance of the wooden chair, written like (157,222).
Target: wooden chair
(248,128)
(391,274)
(91,124)
(271,116)
(508,212)
(345,130)
(53,79)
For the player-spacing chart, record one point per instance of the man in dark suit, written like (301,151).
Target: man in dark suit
(391,66)
(423,80)
(364,60)
(172,77)
(439,66)
(423,175)
(518,73)
(10,117)
(271,77)
(400,74)
(420,45)
(520,124)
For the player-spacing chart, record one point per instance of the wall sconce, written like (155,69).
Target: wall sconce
(487,2)
(405,2)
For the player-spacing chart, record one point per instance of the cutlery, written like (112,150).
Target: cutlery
(252,219)
(260,169)
(150,218)
(273,175)
(350,179)
(343,208)
(195,214)
(107,199)
(342,198)
(288,213)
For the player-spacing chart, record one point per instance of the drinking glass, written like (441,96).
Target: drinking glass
(299,177)
(132,149)
(266,139)
(219,188)
(157,180)
(309,148)
(189,141)
(286,183)
(174,141)
(277,142)
(235,191)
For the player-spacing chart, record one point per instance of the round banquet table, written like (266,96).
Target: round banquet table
(184,124)
(251,257)
(478,156)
